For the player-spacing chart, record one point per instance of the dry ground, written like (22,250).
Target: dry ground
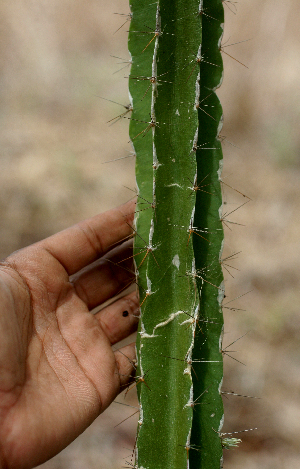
(55,62)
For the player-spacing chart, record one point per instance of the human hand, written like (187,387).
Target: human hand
(58,371)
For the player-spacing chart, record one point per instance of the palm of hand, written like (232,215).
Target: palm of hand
(58,371)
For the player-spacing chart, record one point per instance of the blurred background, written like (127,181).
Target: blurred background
(56,66)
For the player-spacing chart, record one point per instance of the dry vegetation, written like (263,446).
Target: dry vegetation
(55,62)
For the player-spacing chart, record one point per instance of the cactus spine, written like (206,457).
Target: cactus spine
(174,128)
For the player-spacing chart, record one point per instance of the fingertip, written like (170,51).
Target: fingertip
(126,363)
(128,210)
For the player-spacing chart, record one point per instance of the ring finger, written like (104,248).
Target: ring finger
(120,319)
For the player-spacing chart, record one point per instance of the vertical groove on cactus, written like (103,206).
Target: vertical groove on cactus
(176,67)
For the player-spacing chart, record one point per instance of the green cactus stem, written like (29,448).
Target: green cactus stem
(174,128)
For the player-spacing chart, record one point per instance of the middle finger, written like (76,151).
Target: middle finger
(105,278)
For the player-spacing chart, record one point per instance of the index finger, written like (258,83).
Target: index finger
(82,244)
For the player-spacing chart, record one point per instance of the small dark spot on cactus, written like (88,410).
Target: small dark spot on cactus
(125,314)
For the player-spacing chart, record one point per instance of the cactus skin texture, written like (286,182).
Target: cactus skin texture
(174,128)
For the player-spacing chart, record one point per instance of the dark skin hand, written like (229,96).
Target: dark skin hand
(58,369)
